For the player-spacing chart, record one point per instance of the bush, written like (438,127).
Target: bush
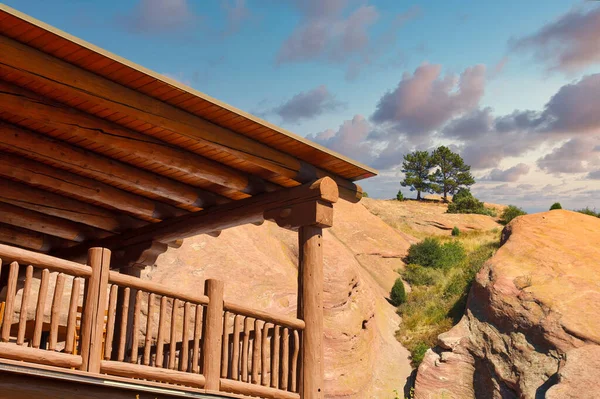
(400,196)
(429,253)
(453,253)
(417,275)
(398,294)
(426,253)
(512,212)
(464,202)
(365,194)
(588,211)
(556,205)
(418,353)
(455,231)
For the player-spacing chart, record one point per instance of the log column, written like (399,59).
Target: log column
(310,309)
(309,218)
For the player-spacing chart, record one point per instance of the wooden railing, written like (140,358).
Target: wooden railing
(72,316)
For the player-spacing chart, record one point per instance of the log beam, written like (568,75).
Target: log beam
(35,221)
(112,136)
(33,145)
(248,210)
(60,75)
(52,204)
(84,189)
(31,239)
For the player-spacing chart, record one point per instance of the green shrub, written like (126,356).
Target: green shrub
(453,253)
(365,194)
(464,202)
(417,275)
(556,205)
(418,353)
(430,253)
(398,294)
(400,196)
(588,211)
(512,212)
(425,253)
(455,231)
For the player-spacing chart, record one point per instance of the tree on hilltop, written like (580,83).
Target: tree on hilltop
(451,174)
(416,168)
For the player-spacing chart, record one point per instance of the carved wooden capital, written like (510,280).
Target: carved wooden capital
(313,213)
(138,256)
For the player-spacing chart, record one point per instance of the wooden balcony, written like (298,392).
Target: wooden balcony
(109,332)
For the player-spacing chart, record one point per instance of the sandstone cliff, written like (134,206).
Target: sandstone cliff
(532,327)
(258,264)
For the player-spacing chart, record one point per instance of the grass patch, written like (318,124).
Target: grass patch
(439,290)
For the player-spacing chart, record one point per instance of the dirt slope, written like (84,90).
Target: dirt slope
(258,264)
(532,327)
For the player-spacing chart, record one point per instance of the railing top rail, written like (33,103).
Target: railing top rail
(155,288)
(23,256)
(284,321)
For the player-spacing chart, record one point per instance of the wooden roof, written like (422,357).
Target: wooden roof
(92,145)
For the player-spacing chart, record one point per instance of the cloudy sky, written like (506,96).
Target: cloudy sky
(513,86)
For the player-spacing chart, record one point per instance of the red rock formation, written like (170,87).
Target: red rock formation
(532,327)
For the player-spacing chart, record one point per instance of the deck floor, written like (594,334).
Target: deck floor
(20,380)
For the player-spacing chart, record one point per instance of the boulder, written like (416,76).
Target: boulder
(532,325)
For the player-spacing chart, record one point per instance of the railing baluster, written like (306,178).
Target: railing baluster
(72,318)
(197,333)
(275,358)
(39,311)
(246,348)
(24,305)
(137,308)
(264,355)
(173,338)
(285,358)
(256,345)
(11,292)
(55,310)
(160,339)
(110,322)
(148,340)
(294,373)
(185,344)
(235,356)
(124,322)
(225,347)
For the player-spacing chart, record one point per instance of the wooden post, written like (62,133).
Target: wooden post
(212,334)
(310,309)
(92,323)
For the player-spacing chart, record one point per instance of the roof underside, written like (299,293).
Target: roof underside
(93,145)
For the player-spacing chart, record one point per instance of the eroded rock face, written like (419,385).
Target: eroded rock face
(259,267)
(532,327)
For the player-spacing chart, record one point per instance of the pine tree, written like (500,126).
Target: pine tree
(416,168)
(451,174)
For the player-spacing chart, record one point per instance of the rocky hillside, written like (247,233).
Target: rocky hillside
(363,359)
(532,327)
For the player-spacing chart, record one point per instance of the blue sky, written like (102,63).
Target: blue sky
(322,69)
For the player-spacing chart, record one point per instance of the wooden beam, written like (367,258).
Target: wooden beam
(48,203)
(31,239)
(248,210)
(33,145)
(111,136)
(84,189)
(88,86)
(27,219)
